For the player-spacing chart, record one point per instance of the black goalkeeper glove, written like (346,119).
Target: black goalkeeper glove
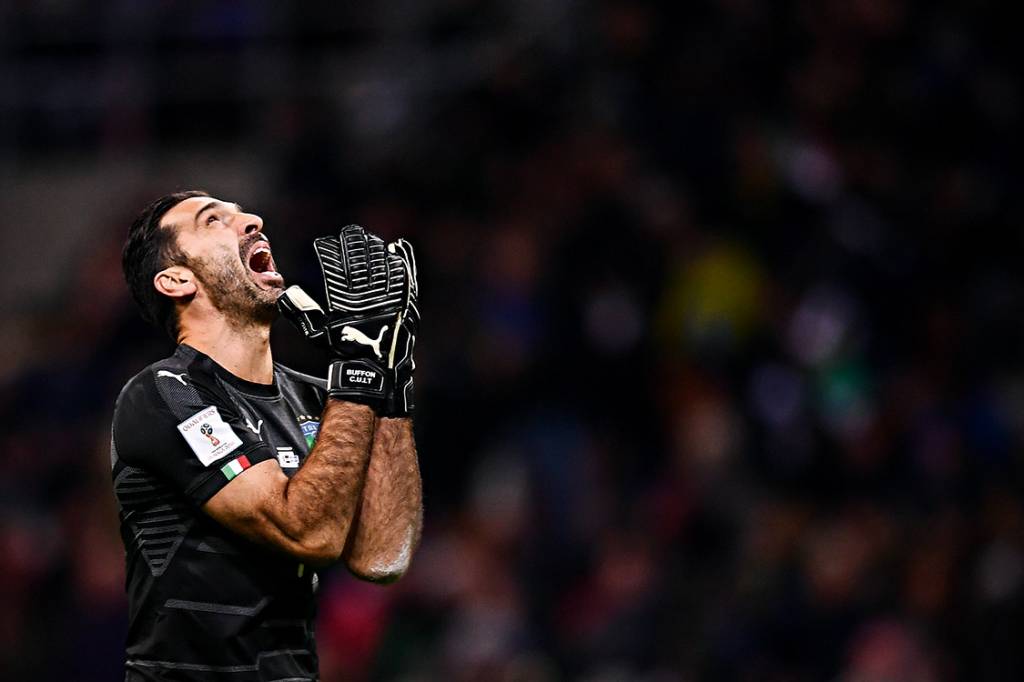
(401,403)
(368,291)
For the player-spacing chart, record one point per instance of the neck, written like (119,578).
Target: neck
(243,350)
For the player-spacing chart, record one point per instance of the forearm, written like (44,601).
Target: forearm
(390,516)
(320,501)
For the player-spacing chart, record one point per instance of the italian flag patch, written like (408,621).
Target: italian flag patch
(235,467)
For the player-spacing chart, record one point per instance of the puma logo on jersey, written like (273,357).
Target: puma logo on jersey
(353,334)
(254,429)
(172,375)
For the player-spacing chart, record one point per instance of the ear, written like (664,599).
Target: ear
(176,281)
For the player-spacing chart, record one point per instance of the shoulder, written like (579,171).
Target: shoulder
(175,384)
(148,410)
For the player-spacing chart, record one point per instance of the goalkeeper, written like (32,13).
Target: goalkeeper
(236,478)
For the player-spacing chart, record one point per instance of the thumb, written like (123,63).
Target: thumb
(303,312)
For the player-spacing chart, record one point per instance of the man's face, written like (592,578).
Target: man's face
(229,255)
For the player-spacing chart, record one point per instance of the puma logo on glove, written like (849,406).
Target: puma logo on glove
(353,334)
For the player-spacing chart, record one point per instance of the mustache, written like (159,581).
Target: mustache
(246,244)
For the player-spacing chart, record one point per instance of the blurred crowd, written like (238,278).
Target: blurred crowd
(720,371)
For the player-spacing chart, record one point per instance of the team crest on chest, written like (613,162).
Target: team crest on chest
(310,428)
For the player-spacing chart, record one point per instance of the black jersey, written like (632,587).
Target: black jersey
(205,603)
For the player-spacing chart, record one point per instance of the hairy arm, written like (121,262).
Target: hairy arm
(387,527)
(310,514)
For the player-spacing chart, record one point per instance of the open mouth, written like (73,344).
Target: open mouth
(261,262)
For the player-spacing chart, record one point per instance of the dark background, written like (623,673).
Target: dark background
(720,371)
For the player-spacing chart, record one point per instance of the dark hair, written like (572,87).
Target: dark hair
(148,250)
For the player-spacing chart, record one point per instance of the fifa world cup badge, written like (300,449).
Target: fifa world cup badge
(209,436)
(207,431)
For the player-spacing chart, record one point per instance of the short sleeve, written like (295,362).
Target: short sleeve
(185,430)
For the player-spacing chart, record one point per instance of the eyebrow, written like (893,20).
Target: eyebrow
(213,204)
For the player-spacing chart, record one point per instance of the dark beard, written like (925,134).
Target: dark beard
(234,294)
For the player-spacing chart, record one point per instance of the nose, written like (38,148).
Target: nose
(249,223)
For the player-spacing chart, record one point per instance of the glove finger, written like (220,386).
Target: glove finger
(303,312)
(332,264)
(378,265)
(409,255)
(398,279)
(412,317)
(355,254)
(403,248)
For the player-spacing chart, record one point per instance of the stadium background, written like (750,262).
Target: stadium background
(720,369)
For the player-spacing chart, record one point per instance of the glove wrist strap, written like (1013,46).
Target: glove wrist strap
(358,381)
(400,400)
